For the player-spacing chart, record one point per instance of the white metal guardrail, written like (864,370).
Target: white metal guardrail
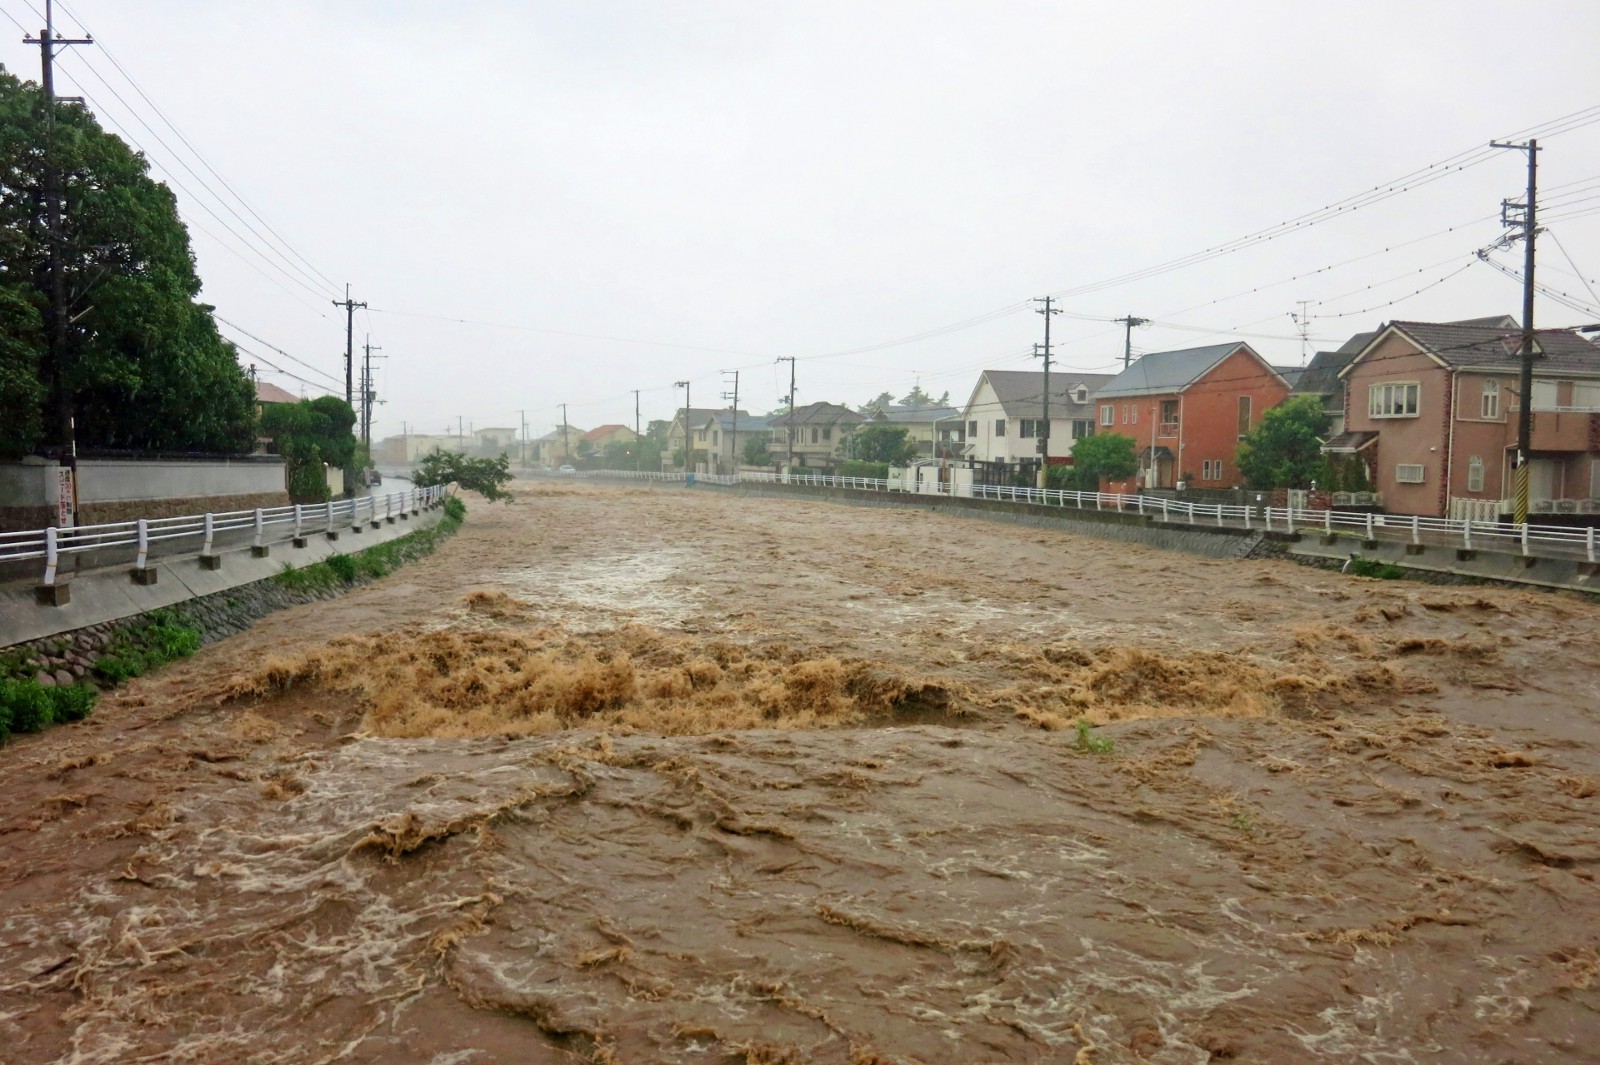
(1544,541)
(116,542)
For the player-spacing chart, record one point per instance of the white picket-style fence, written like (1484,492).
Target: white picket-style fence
(136,541)
(1545,541)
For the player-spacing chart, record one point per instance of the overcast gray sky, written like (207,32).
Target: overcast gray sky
(698,186)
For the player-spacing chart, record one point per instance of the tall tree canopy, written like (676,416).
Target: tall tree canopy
(143,365)
(1285,449)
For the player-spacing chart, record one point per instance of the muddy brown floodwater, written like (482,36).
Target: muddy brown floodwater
(665,775)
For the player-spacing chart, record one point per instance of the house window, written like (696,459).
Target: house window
(1030,428)
(1475,474)
(1544,395)
(827,433)
(972,429)
(999,427)
(1169,417)
(1244,417)
(1211,470)
(1080,394)
(716,438)
(1490,407)
(815,434)
(1409,473)
(1397,399)
(1082,427)
(1108,416)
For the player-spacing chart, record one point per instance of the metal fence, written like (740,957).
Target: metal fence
(1545,541)
(147,538)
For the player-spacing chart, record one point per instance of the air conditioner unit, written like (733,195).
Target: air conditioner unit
(1541,506)
(1566,506)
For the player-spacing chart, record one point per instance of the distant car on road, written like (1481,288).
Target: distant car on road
(566,469)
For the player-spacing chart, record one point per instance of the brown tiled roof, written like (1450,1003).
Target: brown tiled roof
(267,392)
(1497,346)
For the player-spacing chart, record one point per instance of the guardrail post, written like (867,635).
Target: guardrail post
(1289,517)
(207,559)
(1466,534)
(143,557)
(1416,529)
(299,521)
(51,555)
(258,547)
(1247,511)
(1371,535)
(327,521)
(1163,508)
(1589,542)
(1219,517)
(1524,539)
(1327,522)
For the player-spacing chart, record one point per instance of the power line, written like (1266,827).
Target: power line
(240,329)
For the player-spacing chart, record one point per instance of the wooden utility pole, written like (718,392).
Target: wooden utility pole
(733,447)
(367,393)
(790,360)
(1044,429)
(1528,223)
(349,306)
(638,438)
(56,315)
(1127,340)
(688,440)
(566,449)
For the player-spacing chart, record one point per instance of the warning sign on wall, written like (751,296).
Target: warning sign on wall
(65,497)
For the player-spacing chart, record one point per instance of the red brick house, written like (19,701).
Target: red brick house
(1187,411)
(1432,411)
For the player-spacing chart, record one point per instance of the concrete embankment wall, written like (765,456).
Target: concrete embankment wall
(1104,525)
(109,595)
(1438,565)
(111,490)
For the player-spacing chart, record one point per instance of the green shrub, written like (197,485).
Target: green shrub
(29,707)
(73,702)
(158,639)
(853,468)
(342,567)
(1087,741)
(1371,567)
(454,508)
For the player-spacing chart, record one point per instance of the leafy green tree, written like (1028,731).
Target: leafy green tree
(916,398)
(880,443)
(308,434)
(881,403)
(658,430)
(755,452)
(143,365)
(487,477)
(1285,449)
(1103,457)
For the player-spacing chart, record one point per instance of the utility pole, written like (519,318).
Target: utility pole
(688,441)
(790,360)
(733,446)
(349,306)
(1528,223)
(638,437)
(522,438)
(367,394)
(1303,320)
(1127,340)
(66,433)
(1044,432)
(566,449)
(461,440)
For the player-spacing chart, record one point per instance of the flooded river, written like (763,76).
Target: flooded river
(663,775)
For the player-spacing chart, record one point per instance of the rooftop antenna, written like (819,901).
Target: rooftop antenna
(1302,318)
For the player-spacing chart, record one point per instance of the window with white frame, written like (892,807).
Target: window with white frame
(1544,394)
(972,429)
(1211,470)
(1490,405)
(1409,473)
(1082,427)
(1475,474)
(1394,399)
(999,427)
(1108,414)
(1030,428)
(1080,394)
